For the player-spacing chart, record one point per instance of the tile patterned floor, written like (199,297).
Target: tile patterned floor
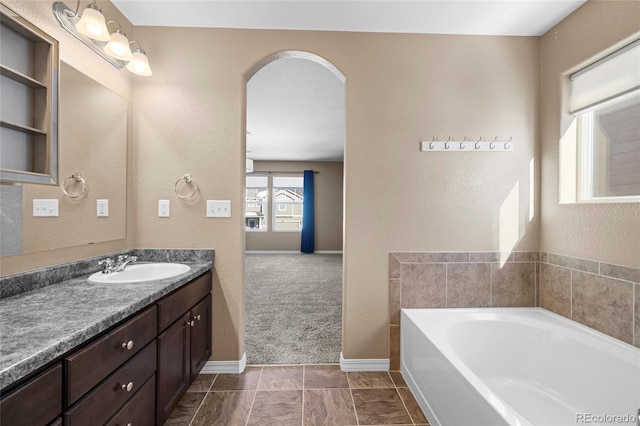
(298,395)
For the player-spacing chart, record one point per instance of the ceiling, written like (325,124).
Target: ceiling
(295,107)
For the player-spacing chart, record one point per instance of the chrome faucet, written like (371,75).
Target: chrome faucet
(123,261)
(108,265)
(111,266)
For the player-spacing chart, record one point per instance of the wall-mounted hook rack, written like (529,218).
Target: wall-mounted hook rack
(466,145)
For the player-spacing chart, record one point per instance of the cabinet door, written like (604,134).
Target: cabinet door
(200,336)
(36,403)
(173,366)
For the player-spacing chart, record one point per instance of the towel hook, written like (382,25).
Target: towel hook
(492,143)
(506,144)
(446,144)
(433,138)
(477,144)
(462,143)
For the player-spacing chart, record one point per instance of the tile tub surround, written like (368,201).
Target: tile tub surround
(41,325)
(599,295)
(295,395)
(458,280)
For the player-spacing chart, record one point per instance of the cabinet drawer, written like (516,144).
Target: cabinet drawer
(173,306)
(141,408)
(90,365)
(36,403)
(113,393)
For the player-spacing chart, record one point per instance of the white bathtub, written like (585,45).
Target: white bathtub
(517,366)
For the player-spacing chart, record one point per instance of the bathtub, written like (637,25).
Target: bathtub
(517,366)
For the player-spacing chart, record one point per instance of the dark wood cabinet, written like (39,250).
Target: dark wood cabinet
(88,366)
(185,346)
(200,336)
(134,373)
(174,355)
(38,402)
(140,410)
(110,395)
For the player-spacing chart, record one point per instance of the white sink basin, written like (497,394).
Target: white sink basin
(141,272)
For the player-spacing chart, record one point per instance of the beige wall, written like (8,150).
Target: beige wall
(190,117)
(602,232)
(328,208)
(86,61)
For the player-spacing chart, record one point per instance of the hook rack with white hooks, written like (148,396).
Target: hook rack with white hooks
(467,145)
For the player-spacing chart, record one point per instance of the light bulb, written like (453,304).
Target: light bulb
(139,64)
(92,24)
(118,47)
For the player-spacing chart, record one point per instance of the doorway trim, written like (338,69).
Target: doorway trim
(356,365)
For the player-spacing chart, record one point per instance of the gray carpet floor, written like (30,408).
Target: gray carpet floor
(293,308)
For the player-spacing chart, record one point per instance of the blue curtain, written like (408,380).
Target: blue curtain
(308,220)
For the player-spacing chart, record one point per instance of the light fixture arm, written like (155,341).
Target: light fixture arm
(119,29)
(139,44)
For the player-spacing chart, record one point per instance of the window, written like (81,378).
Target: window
(256,202)
(605,99)
(288,196)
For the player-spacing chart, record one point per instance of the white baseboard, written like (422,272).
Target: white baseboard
(225,367)
(353,365)
(291,252)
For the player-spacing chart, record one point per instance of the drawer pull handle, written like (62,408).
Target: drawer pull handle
(198,317)
(127,345)
(129,424)
(192,323)
(128,387)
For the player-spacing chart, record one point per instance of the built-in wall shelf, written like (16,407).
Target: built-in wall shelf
(29,115)
(21,78)
(22,128)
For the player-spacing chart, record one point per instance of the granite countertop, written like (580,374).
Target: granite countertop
(38,326)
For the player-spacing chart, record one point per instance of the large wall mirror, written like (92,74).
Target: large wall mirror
(92,142)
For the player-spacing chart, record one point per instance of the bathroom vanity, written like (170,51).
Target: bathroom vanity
(84,353)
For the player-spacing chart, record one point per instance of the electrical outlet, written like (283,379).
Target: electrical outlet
(218,208)
(164,208)
(45,208)
(102,208)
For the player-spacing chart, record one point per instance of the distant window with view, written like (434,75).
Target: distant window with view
(256,202)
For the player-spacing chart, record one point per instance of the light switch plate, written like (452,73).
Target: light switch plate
(164,208)
(102,208)
(45,208)
(218,208)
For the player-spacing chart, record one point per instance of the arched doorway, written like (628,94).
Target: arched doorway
(295,122)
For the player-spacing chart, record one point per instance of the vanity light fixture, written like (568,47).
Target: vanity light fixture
(92,30)
(139,63)
(118,45)
(92,23)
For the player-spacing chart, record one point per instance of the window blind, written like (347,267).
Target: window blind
(610,77)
